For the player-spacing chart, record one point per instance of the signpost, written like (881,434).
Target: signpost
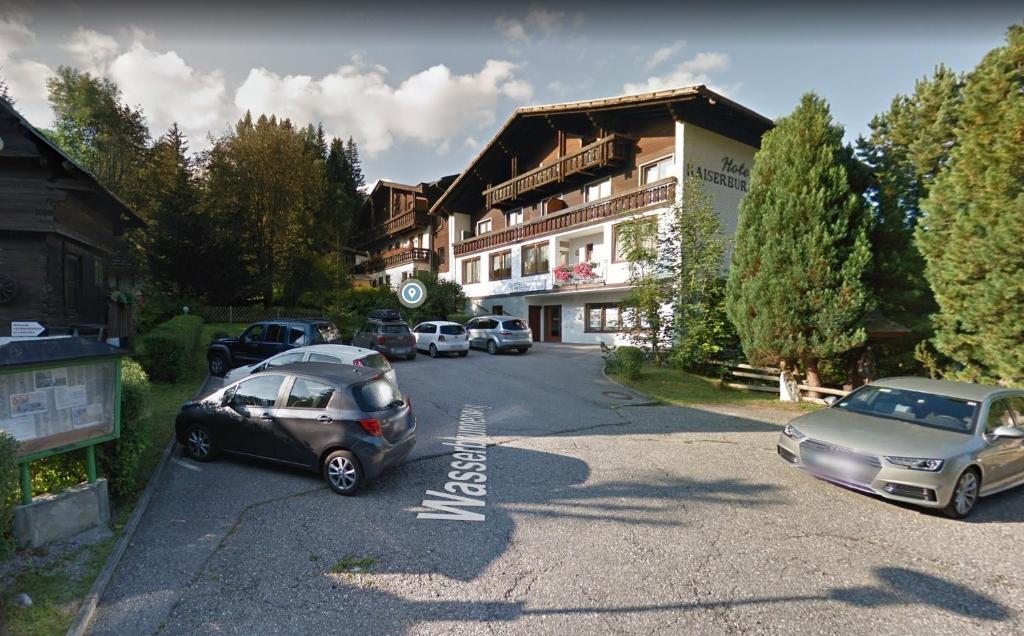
(26,329)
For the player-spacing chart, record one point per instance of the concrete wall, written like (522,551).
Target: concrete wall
(54,517)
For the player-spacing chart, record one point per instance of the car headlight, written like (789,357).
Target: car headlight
(791,432)
(917,463)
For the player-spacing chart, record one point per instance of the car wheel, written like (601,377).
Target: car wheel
(199,445)
(463,354)
(492,347)
(411,356)
(433,351)
(965,495)
(523,349)
(343,473)
(218,365)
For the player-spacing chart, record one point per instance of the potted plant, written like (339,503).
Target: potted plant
(562,273)
(584,271)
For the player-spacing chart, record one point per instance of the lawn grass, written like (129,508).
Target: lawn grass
(674,386)
(58,588)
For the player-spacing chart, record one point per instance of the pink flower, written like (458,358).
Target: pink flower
(583,270)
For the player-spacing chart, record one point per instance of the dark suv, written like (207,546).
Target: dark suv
(269,337)
(386,332)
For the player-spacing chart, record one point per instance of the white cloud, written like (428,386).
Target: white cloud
(169,90)
(538,22)
(25,79)
(91,50)
(663,54)
(696,70)
(429,107)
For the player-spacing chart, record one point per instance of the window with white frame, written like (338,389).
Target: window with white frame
(483,226)
(598,190)
(513,217)
(657,170)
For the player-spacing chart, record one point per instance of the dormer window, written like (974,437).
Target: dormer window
(513,217)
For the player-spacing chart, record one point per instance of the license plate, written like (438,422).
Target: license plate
(401,350)
(832,463)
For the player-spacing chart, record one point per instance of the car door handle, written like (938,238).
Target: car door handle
(266,417)
(326,419)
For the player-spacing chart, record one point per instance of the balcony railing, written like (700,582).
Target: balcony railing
(607,151)
(394,259)
(576,274)
(657,193)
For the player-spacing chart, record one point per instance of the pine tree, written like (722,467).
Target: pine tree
(972,230)
(908,146)
(355,166)
(5,93)
(795,292)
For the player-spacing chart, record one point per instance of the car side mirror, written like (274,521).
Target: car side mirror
(1008,432)
(830,400)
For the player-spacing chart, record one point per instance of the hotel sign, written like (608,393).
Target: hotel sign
(729,174)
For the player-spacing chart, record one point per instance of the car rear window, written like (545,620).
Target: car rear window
(376,361)
(326,332)
(377,395)
(915,407)
(452,330)
(514,325)
(394,329)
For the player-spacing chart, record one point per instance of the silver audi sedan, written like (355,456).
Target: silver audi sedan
(930,443)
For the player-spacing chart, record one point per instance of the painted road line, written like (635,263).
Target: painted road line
(467,481)
(189,465)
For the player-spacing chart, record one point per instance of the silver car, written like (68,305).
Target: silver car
(331,353)
(930,443)
(499,333)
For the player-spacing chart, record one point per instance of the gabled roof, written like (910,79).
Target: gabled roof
(752,124)
(71,166)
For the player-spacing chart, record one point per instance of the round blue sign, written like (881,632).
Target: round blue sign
(412,293)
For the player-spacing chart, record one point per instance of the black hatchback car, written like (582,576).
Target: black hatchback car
(348,423)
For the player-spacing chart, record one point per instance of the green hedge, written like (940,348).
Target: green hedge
(119,460)
(8,491)
(166,351)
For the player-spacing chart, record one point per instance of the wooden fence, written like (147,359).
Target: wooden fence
(750,378)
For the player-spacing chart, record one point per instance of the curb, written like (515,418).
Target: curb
(88,610)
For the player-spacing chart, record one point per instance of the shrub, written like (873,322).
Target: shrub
(622,361)
(166,351)
(628,361)
(119,460)
(8,491)
(352,306)
(459,318)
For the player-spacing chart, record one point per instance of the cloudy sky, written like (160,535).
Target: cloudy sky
(421,86)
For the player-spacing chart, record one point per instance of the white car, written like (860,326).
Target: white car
(440,336)
(332,353)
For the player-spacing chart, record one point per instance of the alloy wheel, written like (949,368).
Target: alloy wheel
(342,473)
(966,492)
(198,443)
(217,365)
(433,351)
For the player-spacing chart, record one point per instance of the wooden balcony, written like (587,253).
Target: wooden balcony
(394,258)
(608,151)
(653,194)
(406,221)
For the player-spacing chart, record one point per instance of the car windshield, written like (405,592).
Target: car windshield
(452,330)
(514,325)
(377,395)
(394,329)
(924,409)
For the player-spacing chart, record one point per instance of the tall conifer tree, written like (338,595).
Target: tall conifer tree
(796,292)
(972,233)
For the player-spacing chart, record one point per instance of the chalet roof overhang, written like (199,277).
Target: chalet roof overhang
(77,178)
(693,104)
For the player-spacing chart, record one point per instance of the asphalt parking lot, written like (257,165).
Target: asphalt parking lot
(601,514)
